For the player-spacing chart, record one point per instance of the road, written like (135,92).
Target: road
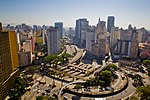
(69,84)
(78,55)
(124,94)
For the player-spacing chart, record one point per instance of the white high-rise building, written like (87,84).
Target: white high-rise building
(53,41)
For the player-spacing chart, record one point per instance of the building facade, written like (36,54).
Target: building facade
(59,26)
(80,24)
(24,58)
(110,23)
(53,41)
(8,61)
(134,45)
(114,36)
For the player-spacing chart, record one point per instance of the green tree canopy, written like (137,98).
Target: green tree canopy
(112,67)
(106,76)
(144,92)
(146,62)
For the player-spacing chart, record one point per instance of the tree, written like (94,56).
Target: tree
(50,59)
(106,76)
(146,62)
(112,67)
(36,54)
(148,69)
(19,88)
(65,56)
(144,92)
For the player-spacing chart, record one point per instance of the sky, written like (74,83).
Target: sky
(47,12)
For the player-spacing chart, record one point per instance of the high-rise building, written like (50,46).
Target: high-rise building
(90,38)
(59,26)
(114,36)
(8,61)
(102,47)
(101,28)
(110,23)
(141,35)
(80,24)
(5,57)
(134,44)
(24,58)
(53,41)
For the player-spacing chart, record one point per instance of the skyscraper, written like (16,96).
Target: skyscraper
(59,26)
(53,41)
(134,44)
(110,23)
(80,24)
(8,61)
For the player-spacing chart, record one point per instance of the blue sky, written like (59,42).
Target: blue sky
(40,12)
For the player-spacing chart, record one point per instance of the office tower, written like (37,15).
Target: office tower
(59,26)
(35,27)
(53,41)
(102,47)
(5,57)
(114,36)
(8,61)
(110,23)
(13,48)
(101,28)
(43,36)
(80,24)
(134,44)
(142,35)
(90,38)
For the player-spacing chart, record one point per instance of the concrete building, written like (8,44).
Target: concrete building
(80,24)
(8,61)
(44,36)
(110,23)
(83,37)
(27,46)
(90,38)
(59,26)
(24,58)
(53,41)
(134,45)
(141,35)
(8,84)
(114,36)
(101,28)
(102,47)
(95,49)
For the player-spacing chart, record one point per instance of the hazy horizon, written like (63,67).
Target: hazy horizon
(47,12)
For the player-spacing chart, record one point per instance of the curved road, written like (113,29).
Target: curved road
(78,55)
(122,95)
(69,84)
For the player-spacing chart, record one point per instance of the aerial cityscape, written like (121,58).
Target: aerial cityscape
(74,50)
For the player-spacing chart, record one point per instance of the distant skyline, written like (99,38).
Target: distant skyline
(47,12)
